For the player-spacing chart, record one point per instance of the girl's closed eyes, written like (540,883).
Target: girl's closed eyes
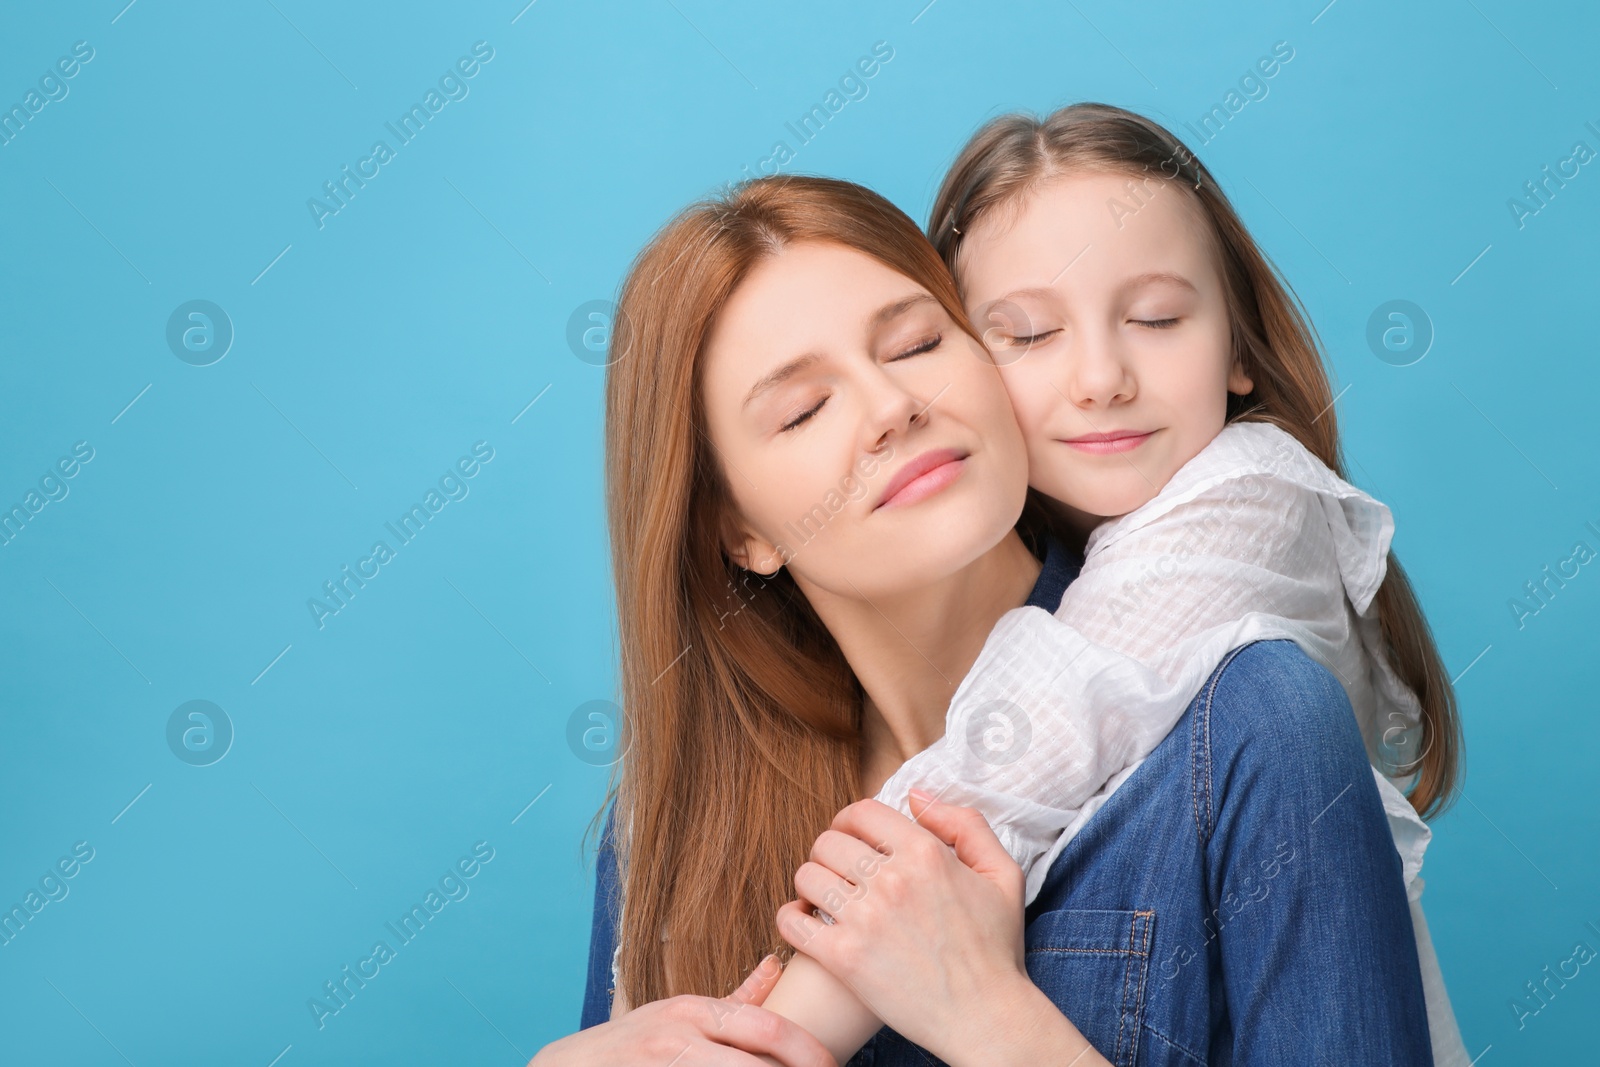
(1030,340)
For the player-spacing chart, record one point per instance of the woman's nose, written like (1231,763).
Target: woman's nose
(891,406)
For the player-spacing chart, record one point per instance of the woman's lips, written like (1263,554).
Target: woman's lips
(1101,444)
(922,477)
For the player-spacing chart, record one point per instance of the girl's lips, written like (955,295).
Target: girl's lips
(922,477)
(1105,444)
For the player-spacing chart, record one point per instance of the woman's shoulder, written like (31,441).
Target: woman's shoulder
(1273,722)
(1261,674)
(1268,699)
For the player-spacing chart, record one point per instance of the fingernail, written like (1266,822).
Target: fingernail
(920,795)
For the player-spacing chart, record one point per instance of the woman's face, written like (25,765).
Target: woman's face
(866,439)
(1102,303)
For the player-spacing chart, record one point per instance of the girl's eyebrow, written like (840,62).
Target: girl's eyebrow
(1171,277)
(1042,292)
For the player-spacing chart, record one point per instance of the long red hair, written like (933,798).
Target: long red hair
(741,724)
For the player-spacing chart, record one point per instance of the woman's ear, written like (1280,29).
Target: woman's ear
(753,552)
(1239,382)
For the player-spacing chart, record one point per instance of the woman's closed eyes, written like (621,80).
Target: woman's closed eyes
(927,345)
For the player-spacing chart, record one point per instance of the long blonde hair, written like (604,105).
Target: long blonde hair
(741,724)
(1273,337)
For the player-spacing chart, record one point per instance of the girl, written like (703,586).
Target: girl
(755,711)
(1178,418)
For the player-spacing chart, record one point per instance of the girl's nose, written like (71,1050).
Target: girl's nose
(1096,373)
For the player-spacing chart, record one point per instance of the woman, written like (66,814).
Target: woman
(882,522)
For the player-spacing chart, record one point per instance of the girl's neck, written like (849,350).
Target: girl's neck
(911,651)
(1072,525)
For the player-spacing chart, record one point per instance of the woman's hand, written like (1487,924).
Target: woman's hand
(690,1031)
(931,940)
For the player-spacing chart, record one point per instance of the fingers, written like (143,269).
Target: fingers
(849,857)
(966,830)
(888,832)
(798,926)
(876,823)
(756,1031)
(822,886)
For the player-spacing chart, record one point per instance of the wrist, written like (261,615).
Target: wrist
(1019,1026)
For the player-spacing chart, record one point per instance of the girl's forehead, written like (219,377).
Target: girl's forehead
(1086,222)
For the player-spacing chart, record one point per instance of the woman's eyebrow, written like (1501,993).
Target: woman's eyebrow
(887,313)
(779,376)
(897,308)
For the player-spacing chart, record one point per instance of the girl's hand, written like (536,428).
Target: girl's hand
(931,940)
(690,1031)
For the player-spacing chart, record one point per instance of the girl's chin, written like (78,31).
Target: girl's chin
(1092,508)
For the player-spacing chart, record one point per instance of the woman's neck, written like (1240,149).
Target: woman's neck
(910,652)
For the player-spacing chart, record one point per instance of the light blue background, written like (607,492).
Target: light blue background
(430,311)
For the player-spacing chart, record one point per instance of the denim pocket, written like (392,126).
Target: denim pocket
(1093,965)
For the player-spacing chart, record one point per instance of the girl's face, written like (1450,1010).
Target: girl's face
(866,439)
(1102,303)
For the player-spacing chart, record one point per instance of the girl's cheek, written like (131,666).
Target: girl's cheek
(1015,380)
(1027,428)
(1032,420)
